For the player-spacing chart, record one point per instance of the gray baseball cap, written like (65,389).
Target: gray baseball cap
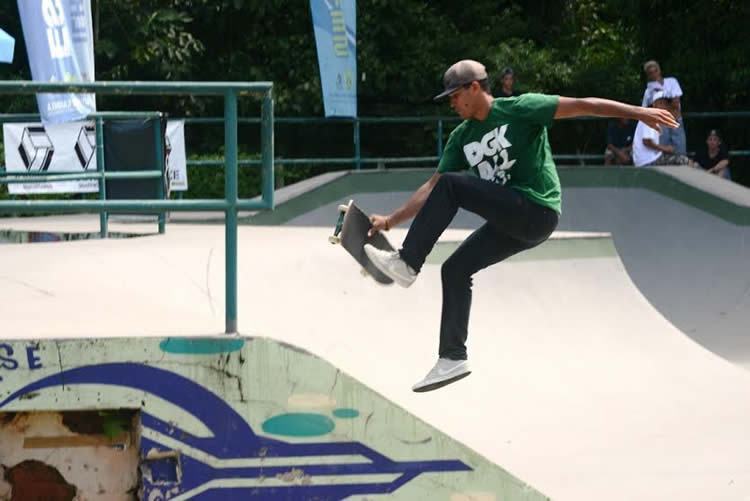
(462,73)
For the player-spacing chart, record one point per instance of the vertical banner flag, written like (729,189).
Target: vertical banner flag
(60,43)
(335,25)
(7,44)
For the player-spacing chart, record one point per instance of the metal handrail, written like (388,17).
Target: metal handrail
(357,160)
(231,203)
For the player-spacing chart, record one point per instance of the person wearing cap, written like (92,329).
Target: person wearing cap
(713,157)
(512,184)
(648,149)
(672,90)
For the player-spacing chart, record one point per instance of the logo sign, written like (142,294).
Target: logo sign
(71,147)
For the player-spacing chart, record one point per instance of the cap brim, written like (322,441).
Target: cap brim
(446,92)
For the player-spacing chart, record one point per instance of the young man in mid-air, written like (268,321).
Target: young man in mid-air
(514,187)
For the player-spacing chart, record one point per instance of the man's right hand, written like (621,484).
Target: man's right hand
(379,223)
(656,117)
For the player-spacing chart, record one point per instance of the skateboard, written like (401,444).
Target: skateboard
(351,233)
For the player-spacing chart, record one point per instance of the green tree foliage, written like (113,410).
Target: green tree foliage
(570,47)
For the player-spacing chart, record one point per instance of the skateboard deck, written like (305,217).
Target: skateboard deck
(351,232)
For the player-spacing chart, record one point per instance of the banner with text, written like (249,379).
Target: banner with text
(60,43)
(335,25)
(71,147)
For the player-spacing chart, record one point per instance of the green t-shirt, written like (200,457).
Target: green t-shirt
(509,147)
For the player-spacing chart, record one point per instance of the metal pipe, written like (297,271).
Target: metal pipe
(267,153)
(103,216)
(357,151)
(145,206)
(134,88)
(440,138)
(35,177)
(159,147)
(231,199)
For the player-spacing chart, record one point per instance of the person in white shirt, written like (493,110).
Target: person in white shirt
(672,90)
(647,150)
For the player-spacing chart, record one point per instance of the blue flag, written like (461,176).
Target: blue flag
(335,24)
(60,43)
(7,44)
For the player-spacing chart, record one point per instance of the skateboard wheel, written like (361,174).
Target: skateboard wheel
(334,239)
(343,208)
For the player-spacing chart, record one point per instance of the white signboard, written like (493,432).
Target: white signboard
(71,147)
(176,157)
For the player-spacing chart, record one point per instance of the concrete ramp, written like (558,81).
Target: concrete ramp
(682,234)
(581,388)
(219,418)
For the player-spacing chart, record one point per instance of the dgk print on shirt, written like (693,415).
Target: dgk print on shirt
(510,147)
(490,156)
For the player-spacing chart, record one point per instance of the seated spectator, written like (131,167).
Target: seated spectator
(619,142)
(507,81)
(646,148)
(713,157)
(672,90)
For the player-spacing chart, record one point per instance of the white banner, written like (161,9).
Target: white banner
(60,44)
(71,147)
(176,157)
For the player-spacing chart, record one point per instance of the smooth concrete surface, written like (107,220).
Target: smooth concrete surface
(581,388)
(692,265)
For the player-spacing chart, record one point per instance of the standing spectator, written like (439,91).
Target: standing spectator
(619,142)
(646,148)
(672,90)
(714,156)
(507,81)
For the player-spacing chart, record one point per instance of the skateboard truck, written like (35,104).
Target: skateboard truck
(336,238)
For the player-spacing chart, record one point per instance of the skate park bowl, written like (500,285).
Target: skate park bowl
(610,362)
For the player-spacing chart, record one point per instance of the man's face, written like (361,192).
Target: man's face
(713,141)
(653,73)
(461,101)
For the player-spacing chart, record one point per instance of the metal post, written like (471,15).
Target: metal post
(357,151)
(440,138)
(100,167)
(159,138)
(231,196)
(266,149)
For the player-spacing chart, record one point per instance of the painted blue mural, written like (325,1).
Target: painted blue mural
(229,464)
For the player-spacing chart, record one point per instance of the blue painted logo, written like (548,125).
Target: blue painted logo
(234,462)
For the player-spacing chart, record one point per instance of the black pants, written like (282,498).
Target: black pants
(514,224)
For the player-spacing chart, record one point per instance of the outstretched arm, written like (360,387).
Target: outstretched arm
(406,211)
(569,107)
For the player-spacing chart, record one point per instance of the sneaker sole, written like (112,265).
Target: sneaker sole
(440,384)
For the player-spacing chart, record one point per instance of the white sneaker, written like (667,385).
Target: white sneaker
(392,265)
(446,371)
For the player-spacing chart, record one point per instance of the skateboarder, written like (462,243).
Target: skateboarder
(514,187)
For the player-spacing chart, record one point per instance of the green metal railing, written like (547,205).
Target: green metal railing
(231,203)
(441,123)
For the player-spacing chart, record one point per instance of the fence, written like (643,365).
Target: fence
(441,125)
(231,203)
